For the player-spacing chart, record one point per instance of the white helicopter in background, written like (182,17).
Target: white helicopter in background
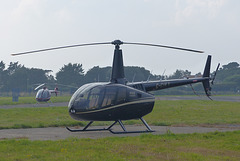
(44,94)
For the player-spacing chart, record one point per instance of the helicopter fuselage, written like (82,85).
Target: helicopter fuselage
(43,95)
(109,102)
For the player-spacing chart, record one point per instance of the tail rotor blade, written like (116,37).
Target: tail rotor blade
(215,74)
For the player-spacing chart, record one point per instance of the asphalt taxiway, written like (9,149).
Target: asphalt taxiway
(59,133)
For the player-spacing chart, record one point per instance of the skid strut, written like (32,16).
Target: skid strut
(128,132)
(109,128)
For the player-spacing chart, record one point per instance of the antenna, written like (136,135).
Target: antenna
(162,74)
(133,77)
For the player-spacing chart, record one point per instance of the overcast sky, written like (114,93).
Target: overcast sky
(209,25)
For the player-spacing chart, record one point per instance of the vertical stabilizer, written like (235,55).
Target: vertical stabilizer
(206,74)
(207,67)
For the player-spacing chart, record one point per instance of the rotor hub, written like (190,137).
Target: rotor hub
(117,42)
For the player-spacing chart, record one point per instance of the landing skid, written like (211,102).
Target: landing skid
(109,128)
(85,128)
(43,103)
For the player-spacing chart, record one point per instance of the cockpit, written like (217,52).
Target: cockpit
(101,95)
(43,95)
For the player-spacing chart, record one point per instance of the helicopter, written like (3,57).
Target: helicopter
(44,94)
(118,99)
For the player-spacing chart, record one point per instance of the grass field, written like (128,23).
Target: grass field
(194,112)
(31,100)
(184,112)
(208,146)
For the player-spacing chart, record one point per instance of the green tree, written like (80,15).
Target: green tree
(12,67)
(35,76)
(2,66)
(132,73)
(180,74)
(16,76)
(137,74)
(23,78)
(18,79)
(10,81)
(97,74)
(3,75)
(230,66)
(71,74)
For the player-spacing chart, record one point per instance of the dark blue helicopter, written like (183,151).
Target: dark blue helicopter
(119,99)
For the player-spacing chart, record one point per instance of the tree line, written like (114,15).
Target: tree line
(18,77)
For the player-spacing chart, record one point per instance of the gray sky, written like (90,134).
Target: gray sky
(209,25)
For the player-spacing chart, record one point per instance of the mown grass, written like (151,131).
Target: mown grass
(31,100)
(35,117)
(194,112)
(186,112)
(207,147)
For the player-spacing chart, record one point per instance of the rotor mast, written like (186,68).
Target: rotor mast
(118,75)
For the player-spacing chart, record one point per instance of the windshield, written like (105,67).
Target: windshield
(43,94)
(81,96)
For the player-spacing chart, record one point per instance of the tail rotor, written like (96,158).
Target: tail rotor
(215,73)
(56,90)
(208,83)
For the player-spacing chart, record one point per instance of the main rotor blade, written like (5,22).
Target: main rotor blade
(163,46)
(61,47)
(116,42)
(67,86)
(39,86)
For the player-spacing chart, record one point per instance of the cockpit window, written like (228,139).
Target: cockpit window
(78,92)
(121,96)
(110,96)
(101,95)
(95,97)
(82,100)
(85,96)
(135,94)
(43,94)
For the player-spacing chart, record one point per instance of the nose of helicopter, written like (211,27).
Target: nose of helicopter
(81,99)
(71,108)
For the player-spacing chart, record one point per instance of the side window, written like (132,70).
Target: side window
(95,97)
(122,95)
(109,97)
(133,94)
